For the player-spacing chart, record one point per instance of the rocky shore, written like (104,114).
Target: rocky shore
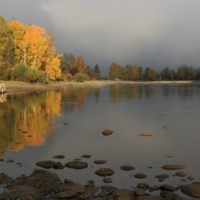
(45,185)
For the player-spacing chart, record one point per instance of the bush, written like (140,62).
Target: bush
(28,74)
(81,77)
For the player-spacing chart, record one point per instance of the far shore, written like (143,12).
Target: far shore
(16,86)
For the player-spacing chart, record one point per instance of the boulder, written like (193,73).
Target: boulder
(191,190)
(42,178)
(18,191)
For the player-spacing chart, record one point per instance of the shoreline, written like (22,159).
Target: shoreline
(17,87)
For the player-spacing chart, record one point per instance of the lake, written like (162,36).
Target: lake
(32,129)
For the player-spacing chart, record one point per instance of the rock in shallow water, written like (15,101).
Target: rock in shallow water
(104,172)
(107,180)
(59,156)
(64,195)
(76,164)
(140,175)
(42,178)
(181,174)
(173,167)
(191,190)
(107,132)
(162,177)
(127,167)
(99,162)
(146,134)
(47,164)
(128,194)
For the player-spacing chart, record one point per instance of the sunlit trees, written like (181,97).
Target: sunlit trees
(114,70)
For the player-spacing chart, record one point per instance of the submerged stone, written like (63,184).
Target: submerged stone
(173,167)
(104,172)
(107,132)
(99,162)
(107,180)
(140,175)
(86,156)
(146,134)
(59,156)
(76,164)
(162,177)
(181,174)
(47,164)
(167,127)
(127,167)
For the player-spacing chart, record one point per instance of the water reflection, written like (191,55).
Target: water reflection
(24,119)
(3,97)
(148,91)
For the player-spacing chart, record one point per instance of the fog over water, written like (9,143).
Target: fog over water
(154,34)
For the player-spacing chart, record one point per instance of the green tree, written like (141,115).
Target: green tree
(141,72)
(97,70)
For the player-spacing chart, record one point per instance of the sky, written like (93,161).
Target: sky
(154,33)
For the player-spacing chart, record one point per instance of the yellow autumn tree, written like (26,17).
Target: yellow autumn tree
(33,46)
(18,31)
(52,60)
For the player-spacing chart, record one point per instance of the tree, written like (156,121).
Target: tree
(80,64)
(96,70)
(140,71)
(147,73)
(114,70)
(18,31)
(135,72)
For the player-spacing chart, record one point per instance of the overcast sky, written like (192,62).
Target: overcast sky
(150,33)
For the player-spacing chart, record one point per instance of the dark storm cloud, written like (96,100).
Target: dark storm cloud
(150,33)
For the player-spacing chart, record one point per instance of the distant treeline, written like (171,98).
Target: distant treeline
(28,53)
(136,72)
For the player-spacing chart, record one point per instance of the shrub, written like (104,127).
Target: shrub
(28,74)
(80,77)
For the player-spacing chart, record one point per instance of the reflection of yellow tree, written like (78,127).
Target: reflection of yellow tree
(32,113)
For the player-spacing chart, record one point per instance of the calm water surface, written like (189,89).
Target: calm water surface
(126,109)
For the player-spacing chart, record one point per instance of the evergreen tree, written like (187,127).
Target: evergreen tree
(96,70)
